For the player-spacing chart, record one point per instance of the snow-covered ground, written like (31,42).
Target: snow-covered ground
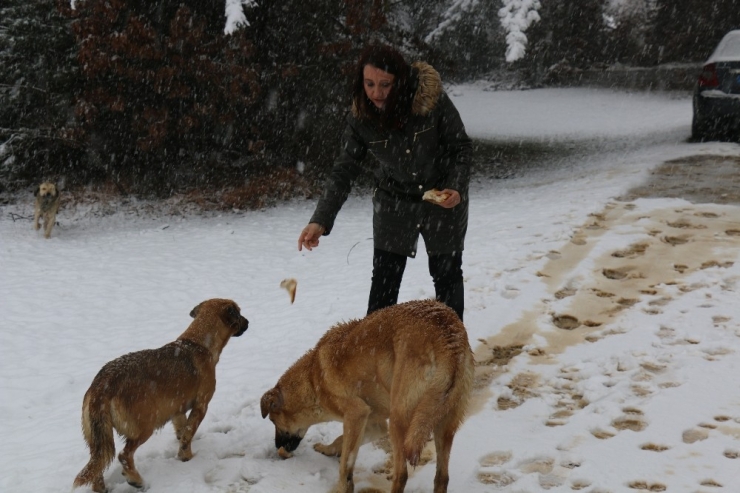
(606,332)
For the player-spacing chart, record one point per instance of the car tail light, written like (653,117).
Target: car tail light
(708,76)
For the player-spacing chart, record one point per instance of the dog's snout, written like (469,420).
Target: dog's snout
(287,440)
(242,327)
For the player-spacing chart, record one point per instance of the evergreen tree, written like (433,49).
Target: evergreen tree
(38,74)
(688,30)
(462,42)
(627,28)
(570,35)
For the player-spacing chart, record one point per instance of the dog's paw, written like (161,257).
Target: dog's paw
(328,450)
(136,484)
(184,455)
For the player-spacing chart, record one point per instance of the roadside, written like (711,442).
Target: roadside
(702,178)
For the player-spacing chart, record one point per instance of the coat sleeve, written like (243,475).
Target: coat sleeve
(457,148)
(339,183)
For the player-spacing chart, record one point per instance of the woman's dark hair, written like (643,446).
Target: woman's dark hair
(398,103)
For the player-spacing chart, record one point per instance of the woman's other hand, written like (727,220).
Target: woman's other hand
(453,198)
(310,236)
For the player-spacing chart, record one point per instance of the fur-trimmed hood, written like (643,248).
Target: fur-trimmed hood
(428,90)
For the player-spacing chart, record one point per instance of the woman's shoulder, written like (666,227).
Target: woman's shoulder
(428,91)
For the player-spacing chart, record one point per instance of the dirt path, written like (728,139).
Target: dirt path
(670,245)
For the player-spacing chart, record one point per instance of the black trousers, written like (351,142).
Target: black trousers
(446,271)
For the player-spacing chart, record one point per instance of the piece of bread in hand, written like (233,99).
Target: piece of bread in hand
(435,196)
(284,454)
(290,285)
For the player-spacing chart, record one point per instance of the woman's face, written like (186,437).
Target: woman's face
(378,84)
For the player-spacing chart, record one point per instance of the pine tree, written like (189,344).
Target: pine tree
(571,35)
(688,30)
(38,74)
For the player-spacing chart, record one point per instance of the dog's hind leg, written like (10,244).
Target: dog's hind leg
(126,457)
(443,437)
(397,431)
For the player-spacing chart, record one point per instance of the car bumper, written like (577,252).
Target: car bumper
(713,104)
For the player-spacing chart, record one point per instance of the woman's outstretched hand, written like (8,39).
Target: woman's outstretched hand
(310,236)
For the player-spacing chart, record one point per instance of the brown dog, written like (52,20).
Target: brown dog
(140,392)
(409,363)
(47,205)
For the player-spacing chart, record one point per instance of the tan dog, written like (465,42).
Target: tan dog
(140,392)
(409,363)
(47,205)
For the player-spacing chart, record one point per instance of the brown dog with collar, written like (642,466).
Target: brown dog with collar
(410,364)
(46,207)
(140,392)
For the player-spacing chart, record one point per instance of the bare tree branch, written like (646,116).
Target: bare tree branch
(23,86)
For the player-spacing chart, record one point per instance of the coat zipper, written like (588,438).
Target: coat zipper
(421,132)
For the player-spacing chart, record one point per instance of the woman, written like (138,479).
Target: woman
(402,116)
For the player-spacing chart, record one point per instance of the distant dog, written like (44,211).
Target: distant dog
(47,205)
(409,363)
(140,392)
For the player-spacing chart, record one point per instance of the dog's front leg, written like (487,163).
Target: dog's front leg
(353,427)
(334,449)
(179,422)
(375,428)
(36,217)
(48,224)
(187,432)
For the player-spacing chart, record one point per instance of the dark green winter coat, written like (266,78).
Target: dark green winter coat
(431,151)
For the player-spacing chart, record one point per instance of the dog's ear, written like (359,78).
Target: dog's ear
(36,192)
(271,401)
(194,311)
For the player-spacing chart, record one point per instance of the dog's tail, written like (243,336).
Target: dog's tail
(97,428)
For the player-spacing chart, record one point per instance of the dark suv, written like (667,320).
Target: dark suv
(717,93)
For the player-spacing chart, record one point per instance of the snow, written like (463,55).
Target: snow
(570,113)
(643,395)
(450,17)
(235,17)
(728,49)
(516,16)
